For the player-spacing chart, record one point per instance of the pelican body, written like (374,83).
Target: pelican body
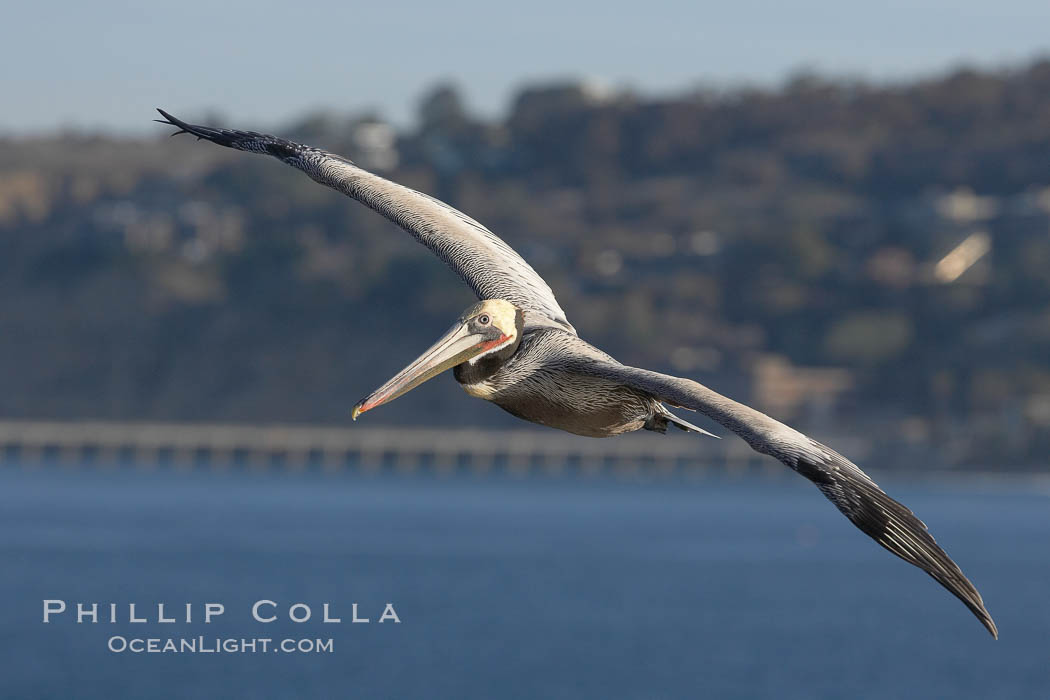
(535,381)
(516,349)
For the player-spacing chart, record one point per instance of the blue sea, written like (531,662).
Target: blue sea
(504,587)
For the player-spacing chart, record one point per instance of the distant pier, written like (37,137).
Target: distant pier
(287,447)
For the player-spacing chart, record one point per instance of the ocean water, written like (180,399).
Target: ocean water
(513,588)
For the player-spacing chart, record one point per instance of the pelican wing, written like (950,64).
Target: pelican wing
(859,498)
(488,265)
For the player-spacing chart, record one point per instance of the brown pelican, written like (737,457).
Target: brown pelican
(516,349)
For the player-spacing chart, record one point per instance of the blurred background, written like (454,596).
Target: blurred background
(840,215)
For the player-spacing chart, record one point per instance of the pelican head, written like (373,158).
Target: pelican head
(489,328)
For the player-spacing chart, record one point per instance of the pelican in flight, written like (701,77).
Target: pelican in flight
(517,349)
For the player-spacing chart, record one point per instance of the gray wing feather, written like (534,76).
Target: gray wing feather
(859,498)
(490,267)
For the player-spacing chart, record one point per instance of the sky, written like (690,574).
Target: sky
(105,64)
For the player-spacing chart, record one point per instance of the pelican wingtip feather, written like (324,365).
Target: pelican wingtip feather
(169,120)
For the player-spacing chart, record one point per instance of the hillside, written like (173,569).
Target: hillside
(851,257)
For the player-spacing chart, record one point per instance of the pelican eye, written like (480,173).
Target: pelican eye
(484,319)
